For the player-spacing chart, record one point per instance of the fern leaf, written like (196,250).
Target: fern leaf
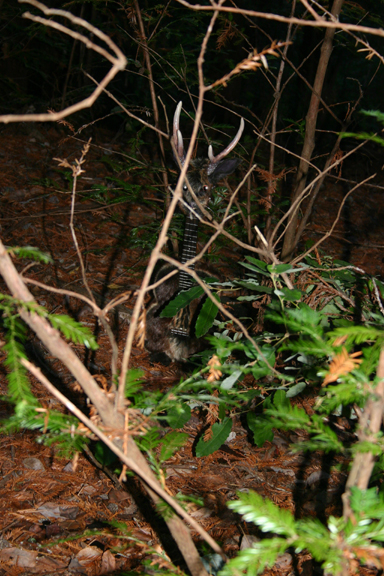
(73,330)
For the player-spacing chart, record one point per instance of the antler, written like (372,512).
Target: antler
(216,159)
(179,145)
(177,137)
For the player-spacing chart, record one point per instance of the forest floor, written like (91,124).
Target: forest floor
(57,515)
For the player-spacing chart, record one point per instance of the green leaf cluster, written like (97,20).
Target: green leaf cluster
(28,412)
(327,544)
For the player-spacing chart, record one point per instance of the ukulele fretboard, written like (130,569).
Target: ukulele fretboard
(185,280)
(188,252)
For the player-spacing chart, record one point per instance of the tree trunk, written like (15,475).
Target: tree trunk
(310,130)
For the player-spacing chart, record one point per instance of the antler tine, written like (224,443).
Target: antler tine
(215,159)
(177,137)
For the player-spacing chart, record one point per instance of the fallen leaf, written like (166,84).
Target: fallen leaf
(18,557)
(88,555)
(108,563)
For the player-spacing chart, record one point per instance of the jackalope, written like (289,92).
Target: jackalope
(175,336)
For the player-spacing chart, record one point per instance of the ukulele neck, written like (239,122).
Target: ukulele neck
(188,251)
(181,321)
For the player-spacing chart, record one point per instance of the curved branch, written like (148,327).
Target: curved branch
(117,59)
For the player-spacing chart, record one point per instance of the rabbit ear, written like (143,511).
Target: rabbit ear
(222,169)
(218,168)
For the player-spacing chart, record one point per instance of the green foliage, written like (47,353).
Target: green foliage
(31,253)
(104,454)
(220,432)
(144,237)
(18,385)
(327,545)
(179,415)
(73,330)
(55,427)
(207,313)
(368,136)
(171,442)
(262,429)
(285,416)
(304,340)
(206,317)
(309,340)
(180,301)
(134,381)
(266,515)
(28,413)
(298,331)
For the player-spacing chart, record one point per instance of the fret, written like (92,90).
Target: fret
(185,281)
(188,251)
(180,332)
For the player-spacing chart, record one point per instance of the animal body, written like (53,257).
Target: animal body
(174,337)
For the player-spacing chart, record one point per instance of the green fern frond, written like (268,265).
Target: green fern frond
(357,334)
(256,559)
(56,428)
(9,305)
(265,514)
(19,389)
(32,253)
(73,330)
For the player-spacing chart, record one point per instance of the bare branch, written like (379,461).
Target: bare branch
(52,339)
(319,23)
(330,231)
(124,457)
(118,61)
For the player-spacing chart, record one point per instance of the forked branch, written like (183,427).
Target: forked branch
(115,56)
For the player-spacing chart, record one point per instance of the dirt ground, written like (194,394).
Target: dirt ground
(56,515)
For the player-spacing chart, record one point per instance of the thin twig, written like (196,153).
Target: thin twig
(306,192)
(277,96)
(118,61)
(151,89)
(128,113)
(329,232)
(319,23)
